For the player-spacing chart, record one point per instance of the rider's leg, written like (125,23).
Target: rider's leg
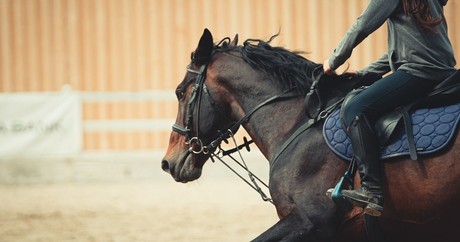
(366,151)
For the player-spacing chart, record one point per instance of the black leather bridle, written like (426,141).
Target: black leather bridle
(195,102)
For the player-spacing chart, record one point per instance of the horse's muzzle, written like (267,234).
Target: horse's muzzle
(165,166)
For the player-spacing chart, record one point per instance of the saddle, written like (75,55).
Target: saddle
(433,119)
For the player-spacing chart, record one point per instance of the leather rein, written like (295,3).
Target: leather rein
(210,149)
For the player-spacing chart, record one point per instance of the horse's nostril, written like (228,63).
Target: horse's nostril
(165,165)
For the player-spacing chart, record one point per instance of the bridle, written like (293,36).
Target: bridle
(195,102)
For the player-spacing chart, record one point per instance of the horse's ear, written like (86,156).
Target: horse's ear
(204,50)
(234,41)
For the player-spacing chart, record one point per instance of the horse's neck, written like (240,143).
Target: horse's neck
(273,124)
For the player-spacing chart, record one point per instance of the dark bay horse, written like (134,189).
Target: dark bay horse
(262,89)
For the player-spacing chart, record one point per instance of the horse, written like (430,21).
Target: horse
(261,88)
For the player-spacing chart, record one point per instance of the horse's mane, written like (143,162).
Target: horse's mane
(288,67)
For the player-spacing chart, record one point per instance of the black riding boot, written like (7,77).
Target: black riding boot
(366,150)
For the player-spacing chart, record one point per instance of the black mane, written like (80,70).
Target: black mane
(288,67)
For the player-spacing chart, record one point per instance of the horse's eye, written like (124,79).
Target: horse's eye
(179,94)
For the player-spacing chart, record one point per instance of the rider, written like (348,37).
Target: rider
(419,56)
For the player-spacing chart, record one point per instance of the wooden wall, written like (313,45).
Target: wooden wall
(126,56)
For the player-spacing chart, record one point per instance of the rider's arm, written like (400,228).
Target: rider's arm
(375,15)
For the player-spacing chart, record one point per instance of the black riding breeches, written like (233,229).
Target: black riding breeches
(394,90)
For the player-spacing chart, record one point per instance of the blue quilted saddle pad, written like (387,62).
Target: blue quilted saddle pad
(433,128)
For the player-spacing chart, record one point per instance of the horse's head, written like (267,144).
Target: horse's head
(201,115)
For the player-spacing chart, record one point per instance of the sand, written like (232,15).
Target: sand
(150,210)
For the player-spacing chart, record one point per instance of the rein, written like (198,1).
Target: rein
(214,150)
(243,165)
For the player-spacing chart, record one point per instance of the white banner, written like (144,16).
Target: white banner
(40,124)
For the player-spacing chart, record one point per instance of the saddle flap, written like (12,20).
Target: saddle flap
(386,126)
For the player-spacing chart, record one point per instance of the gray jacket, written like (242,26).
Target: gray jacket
(411,48)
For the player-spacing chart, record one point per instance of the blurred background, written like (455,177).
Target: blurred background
(87,103)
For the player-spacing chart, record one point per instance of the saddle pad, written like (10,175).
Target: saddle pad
(433,128)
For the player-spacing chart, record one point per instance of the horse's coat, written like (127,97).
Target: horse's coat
(421,197)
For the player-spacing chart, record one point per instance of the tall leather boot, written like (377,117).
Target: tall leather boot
(366,151)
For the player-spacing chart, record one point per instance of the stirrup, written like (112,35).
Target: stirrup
(373,210)
(365,199)
(336,193)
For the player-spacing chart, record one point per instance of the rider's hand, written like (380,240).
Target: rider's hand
(352,72)
(327,69)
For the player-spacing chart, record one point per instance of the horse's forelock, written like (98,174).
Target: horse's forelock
(226,44)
